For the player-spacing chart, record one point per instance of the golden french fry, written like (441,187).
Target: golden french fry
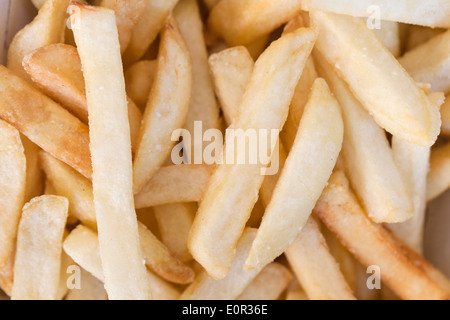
(12,184)
(368,157)
(174,184)
(147,28)
(121,255)
(372,244)
(127,15)
(413,163)
(305,174)
(233,189)
(82,245)
(445,115)
(68,183)
(47,28)
(232,70)
(206,288)
(296,295)
(269,284)
(315,267)
(39,246)
(243,21)
(44,122)
(175,222)
(432,13)
(91,289)
(56,69)
(139,80)
(167,106)
(394,100)
(436,67)
(438,180)
(389,35)
(203,105)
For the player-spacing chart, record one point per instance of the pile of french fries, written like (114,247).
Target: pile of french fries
(93,205)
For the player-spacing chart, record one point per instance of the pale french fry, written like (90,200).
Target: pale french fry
(47,28)
(147,28)
(438,180)
(139,80)
(418,35)
(315,267)
(161,261)
(121,255)
(368,157)
(175,222)
(411,116)
(167,106)
(305,174)
(12,184)
(232,69)
(7,274)
(435,68)
(127,15)
(39,246)
(44,122)
(269,284)
(413,163)
(91,289)
(203,105)
(389,35)
(372,244)
(432,13)
(233,189)
(445,116)
(82,245)
(243,21)
(68,183)
(56,69)
(34,181)
(206,288)
(66,262)
(173,184)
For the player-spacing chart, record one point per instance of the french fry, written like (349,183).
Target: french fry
(66,262)
(70,184)
(305,174)
(121,255)
(410,116)
(12,184)
(296,295)
(206,288)
(389,35)
(7,274)
(44,122)
(315,267)
(445,116)
(203,105)
(39,246)
(127,15)
(413,163)
(174,184)
(243,21)
(438,180)
(139,80)
(256,47)
(47,28)
(167,106)
(175,222)
(372,244)
(436,67)
(432,13)
(34,180)
(232,191)
(82,245)
(147,28)
(147,217)
(38,3)
(210,3)
(368,157)
(91,289)
(232,70)
(418,35)
(56,69)
(269,284)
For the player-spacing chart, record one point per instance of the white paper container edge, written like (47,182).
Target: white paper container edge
(14,14)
